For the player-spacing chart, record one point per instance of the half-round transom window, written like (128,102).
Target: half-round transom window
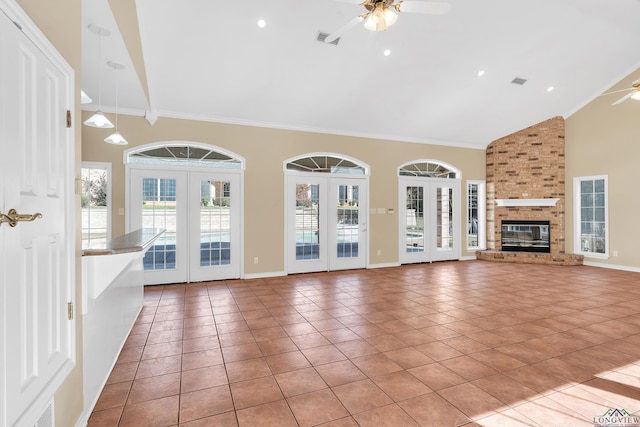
(326,164)
(428,169)
(184,155)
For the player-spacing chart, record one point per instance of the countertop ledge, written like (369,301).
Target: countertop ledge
(136,241)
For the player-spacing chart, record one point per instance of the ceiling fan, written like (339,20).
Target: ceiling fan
(634,93)
(381,14)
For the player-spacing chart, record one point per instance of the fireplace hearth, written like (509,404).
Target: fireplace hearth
(526,236)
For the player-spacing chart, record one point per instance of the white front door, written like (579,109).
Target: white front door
(37,264)
(200,211)
(429,219)
(326,223)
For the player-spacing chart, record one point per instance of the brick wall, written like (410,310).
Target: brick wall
(528,164)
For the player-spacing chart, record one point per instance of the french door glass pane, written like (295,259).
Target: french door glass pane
(347,221)
(159,211)
(215,223)
(444,211)
(592,216)
(472,215)
(307,221)
(415,219)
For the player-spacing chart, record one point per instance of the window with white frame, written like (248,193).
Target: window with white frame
(475,215)
(591,216)
(96,202)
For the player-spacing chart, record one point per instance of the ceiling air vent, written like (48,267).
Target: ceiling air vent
(323,36)
(519,81)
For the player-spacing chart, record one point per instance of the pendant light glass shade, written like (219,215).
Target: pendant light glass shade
(116,139)
(636,95)
(99,120)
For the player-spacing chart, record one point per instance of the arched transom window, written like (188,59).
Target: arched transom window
(325,163)
(184,154)
(429,169)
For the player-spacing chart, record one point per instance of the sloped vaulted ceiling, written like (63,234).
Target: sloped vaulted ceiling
(209,60)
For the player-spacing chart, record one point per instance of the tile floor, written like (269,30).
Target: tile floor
(445,344)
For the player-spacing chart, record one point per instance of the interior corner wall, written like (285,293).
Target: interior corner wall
(265,150)
(529,164)
(604,139)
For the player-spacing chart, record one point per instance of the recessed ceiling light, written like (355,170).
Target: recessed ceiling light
(262,23)
(387,52)
(550,89)
(480,73)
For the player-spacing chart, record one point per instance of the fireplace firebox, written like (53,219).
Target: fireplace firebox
(526,236)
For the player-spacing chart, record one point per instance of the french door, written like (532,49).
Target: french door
(200,211)
(326,223)
(429,218)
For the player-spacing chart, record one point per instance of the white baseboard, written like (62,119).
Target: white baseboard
(264,275)
(612,266)
(384,265)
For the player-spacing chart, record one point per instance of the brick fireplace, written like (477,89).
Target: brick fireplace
(525,182)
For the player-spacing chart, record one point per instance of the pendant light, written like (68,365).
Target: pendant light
(98,119)
(116,138)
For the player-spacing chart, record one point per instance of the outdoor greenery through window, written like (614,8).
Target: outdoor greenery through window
(475,214)
(96,199)
(591,215)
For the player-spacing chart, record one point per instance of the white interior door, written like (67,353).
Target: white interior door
(214,226)
(326,223)
(159,199)
(429,219)
(37,264)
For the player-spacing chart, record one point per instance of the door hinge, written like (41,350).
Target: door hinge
(68,118)
(70,311)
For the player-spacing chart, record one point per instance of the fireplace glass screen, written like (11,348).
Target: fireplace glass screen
(525,236)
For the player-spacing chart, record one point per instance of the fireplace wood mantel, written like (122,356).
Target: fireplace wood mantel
(526,202)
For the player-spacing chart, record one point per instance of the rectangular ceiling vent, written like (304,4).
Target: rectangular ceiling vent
(519,81)
(323,36)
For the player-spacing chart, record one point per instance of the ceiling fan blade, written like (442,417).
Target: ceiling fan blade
(428,7)
(616,91)
(349,25)
(624,98)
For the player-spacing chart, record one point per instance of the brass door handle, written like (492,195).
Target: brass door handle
(13,218)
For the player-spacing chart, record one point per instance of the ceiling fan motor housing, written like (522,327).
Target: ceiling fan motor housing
(371,4)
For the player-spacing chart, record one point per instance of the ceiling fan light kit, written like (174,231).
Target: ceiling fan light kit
(381,14)
(380,18)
